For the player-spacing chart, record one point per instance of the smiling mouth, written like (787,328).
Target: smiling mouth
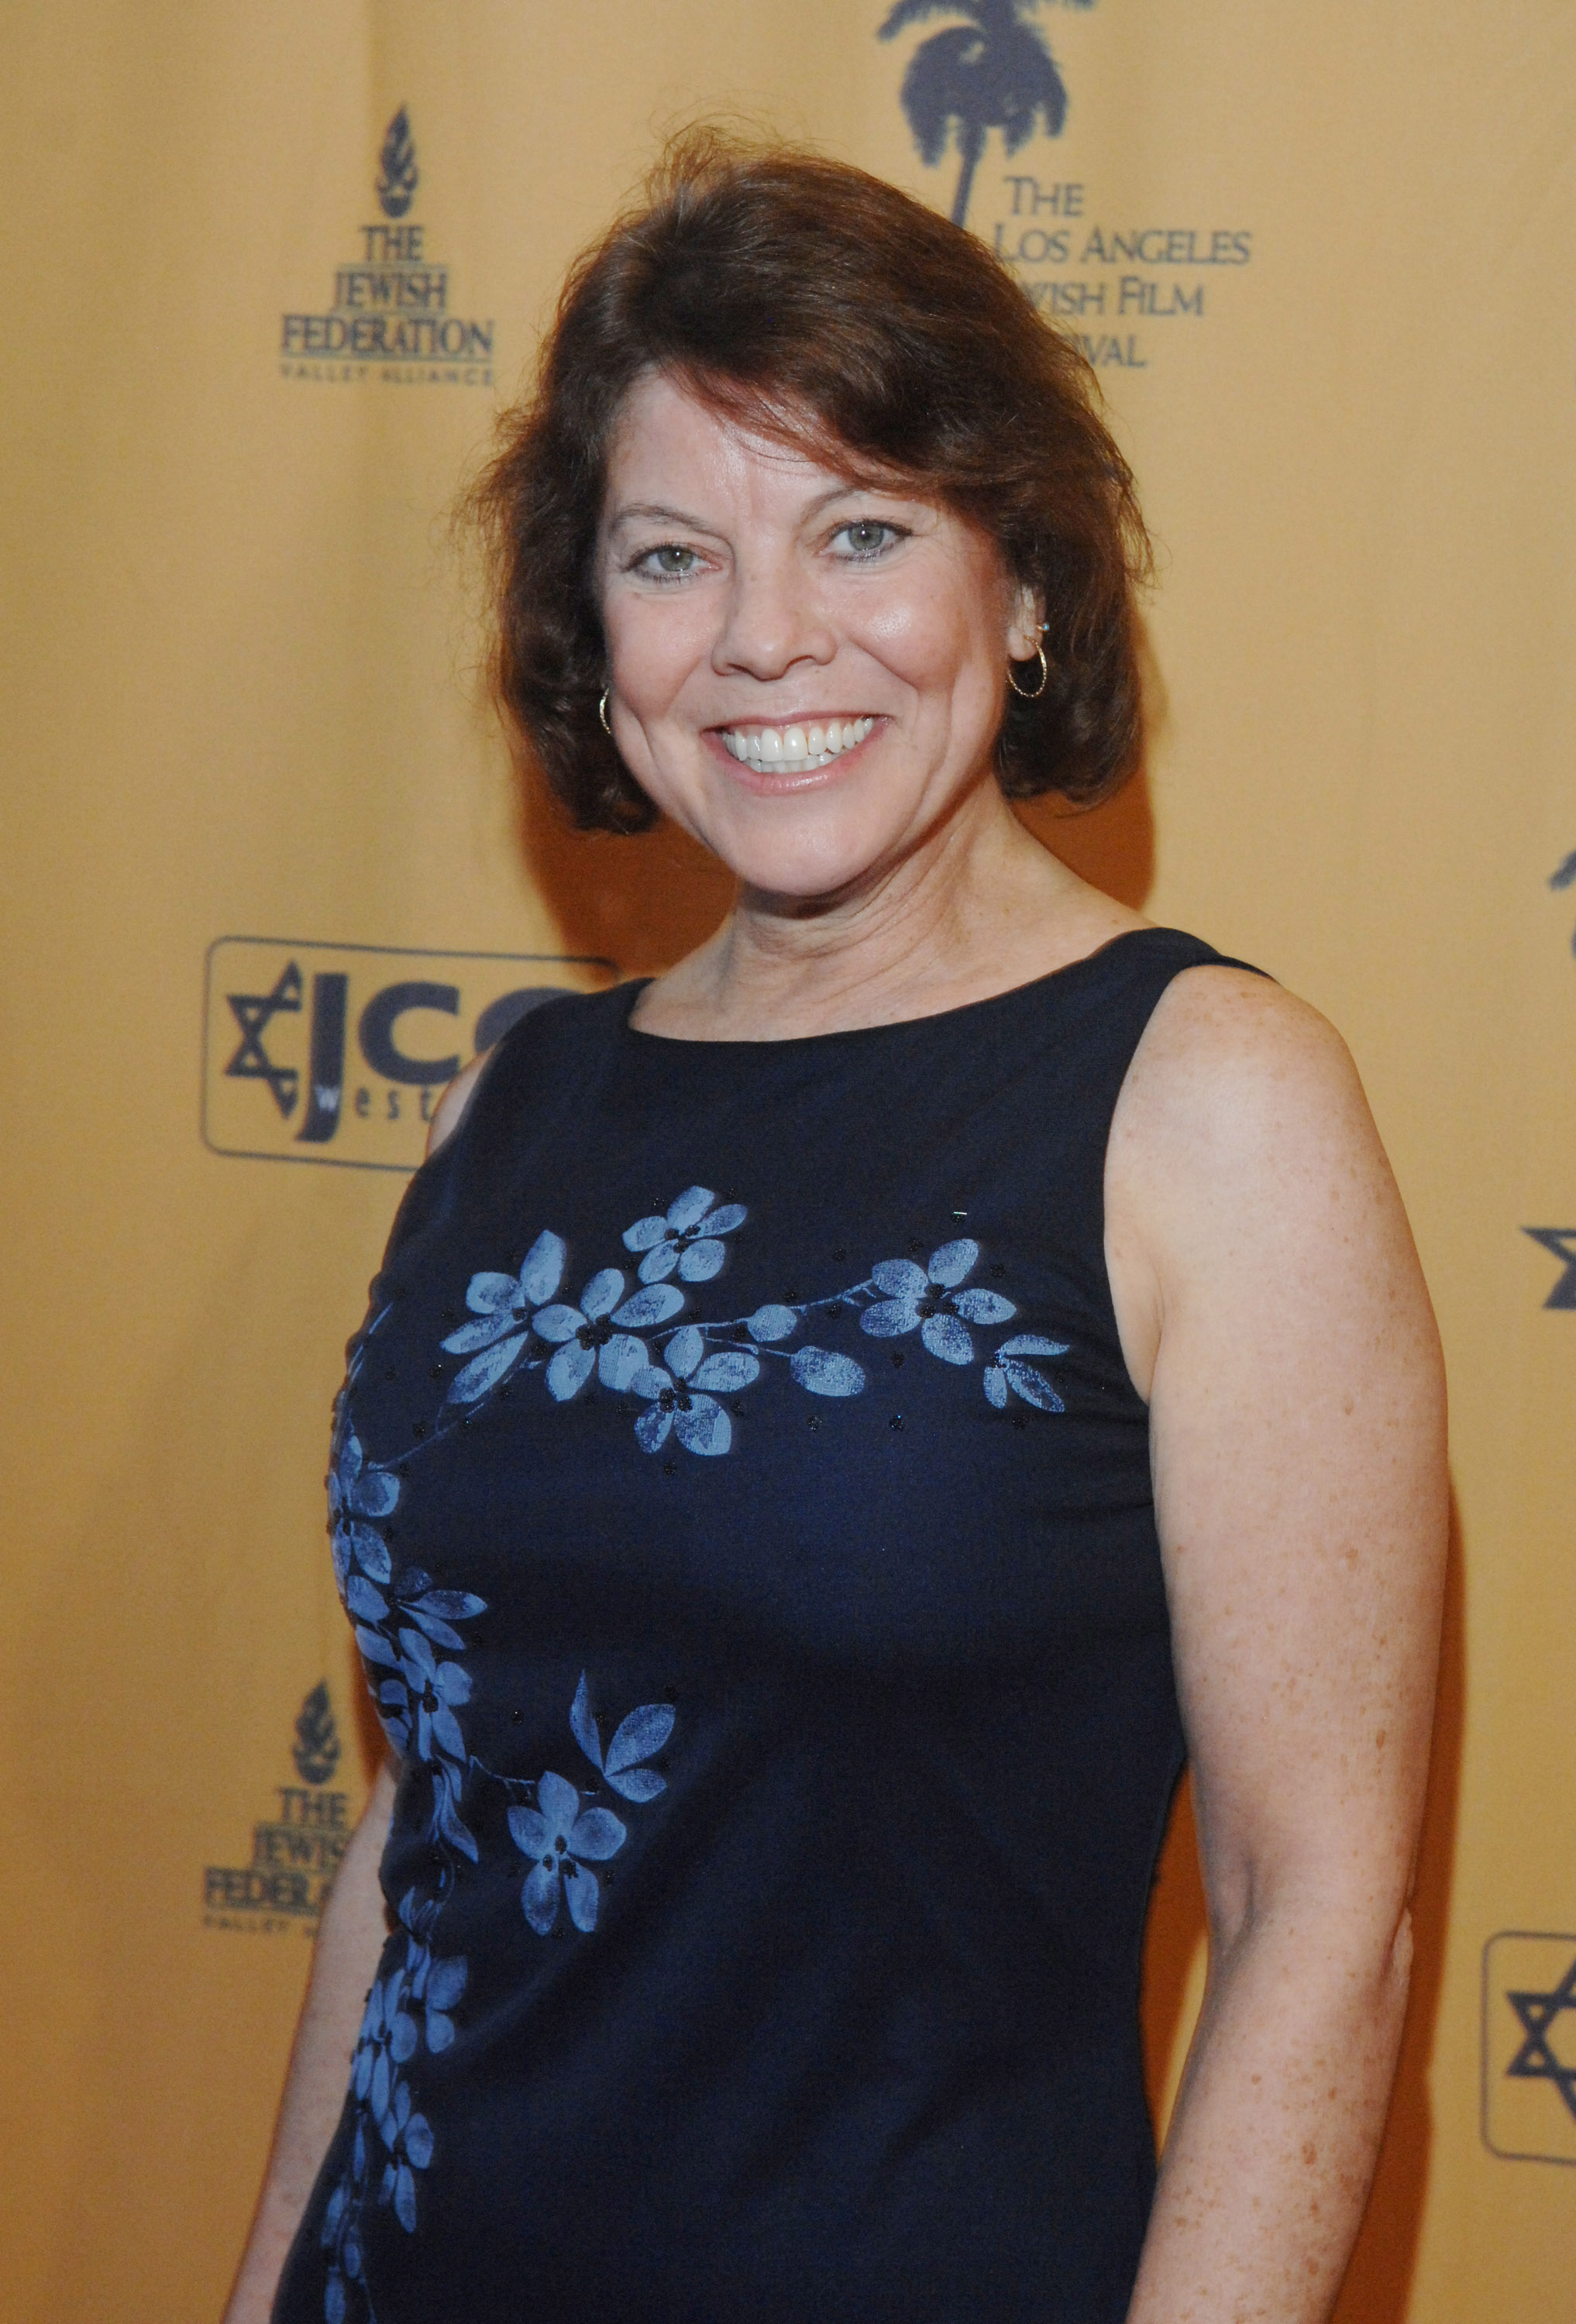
(800,747)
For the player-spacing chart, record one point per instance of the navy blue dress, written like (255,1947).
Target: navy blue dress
(745,1516)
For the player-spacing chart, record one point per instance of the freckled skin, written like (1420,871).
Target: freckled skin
(1297,1431)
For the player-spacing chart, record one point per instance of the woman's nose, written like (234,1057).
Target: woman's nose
(773,622)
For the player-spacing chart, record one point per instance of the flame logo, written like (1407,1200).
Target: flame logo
(316,1749)
(398,176)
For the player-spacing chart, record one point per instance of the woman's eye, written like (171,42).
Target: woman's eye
(671,562)
(865,538)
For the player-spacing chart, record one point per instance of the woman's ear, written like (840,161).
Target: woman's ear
(1026,623)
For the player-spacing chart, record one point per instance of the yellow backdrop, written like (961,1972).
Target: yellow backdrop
(264,879)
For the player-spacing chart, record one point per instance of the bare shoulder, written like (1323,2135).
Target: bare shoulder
(450,1109)
(1233,1073)
(1246,1185)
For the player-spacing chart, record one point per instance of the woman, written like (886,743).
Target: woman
(837,1422)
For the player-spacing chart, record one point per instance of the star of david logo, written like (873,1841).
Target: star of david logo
(1537,2060)
(1561,1243)
(254,1012)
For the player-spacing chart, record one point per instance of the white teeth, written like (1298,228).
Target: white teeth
(796,746)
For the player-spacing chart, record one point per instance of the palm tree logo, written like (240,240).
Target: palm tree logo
(994,72)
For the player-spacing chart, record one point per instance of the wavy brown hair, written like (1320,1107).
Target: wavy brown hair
(821,306)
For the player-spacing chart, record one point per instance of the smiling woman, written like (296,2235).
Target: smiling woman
(837,1423)
(839,318)
(784,606)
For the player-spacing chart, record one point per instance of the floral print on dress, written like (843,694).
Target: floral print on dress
(686,1239)
(563,1835)
(408,1632)
(411,2007)
(679,1397)
(635,1739)
(392,2140)
(1027,1380)
(434,1986)
(676,1371)
(389,2040)
(598,1335)
(929,1298)
(358,1496)
(402,1623)
(502,1305)
(587,1338)
(680,1365)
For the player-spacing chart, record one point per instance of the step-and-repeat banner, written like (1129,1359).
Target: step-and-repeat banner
(273,270)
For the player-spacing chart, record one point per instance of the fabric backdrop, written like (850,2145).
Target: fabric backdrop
(273,270)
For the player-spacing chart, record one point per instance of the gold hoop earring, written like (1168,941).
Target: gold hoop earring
(602,710)
(1031,692)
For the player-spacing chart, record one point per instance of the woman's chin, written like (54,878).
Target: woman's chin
(809,843)
(803,868)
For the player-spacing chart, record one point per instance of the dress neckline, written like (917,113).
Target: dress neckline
(1071,969)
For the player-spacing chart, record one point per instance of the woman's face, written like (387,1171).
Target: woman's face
(805,674)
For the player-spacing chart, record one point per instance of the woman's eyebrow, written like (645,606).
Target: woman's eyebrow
(659,511)
(646,510)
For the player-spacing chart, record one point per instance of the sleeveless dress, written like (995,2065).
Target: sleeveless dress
(745,1516)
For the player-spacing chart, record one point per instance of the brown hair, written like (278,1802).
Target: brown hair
(823,307)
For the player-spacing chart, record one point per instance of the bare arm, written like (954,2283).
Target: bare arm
(1271,1300)
(344,1964)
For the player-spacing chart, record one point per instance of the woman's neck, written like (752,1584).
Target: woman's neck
(973,914)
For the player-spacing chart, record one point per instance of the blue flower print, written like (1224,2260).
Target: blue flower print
(428,1690)
(409,2139)
(1008,1371)
(686,1368)
(773,1323)
(501,1305)
(930,1298)
(412,2000)
(388,2040)
(643,1732)
(436,1985)
(433,1986)
(584,1338)
(677,1398)
(566,1839)
(685,1241)
(433,1611)
(824,1374)
(357,1497)
(339,2237)
(416,1704)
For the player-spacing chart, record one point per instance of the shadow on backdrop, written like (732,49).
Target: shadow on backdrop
(1112,846)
